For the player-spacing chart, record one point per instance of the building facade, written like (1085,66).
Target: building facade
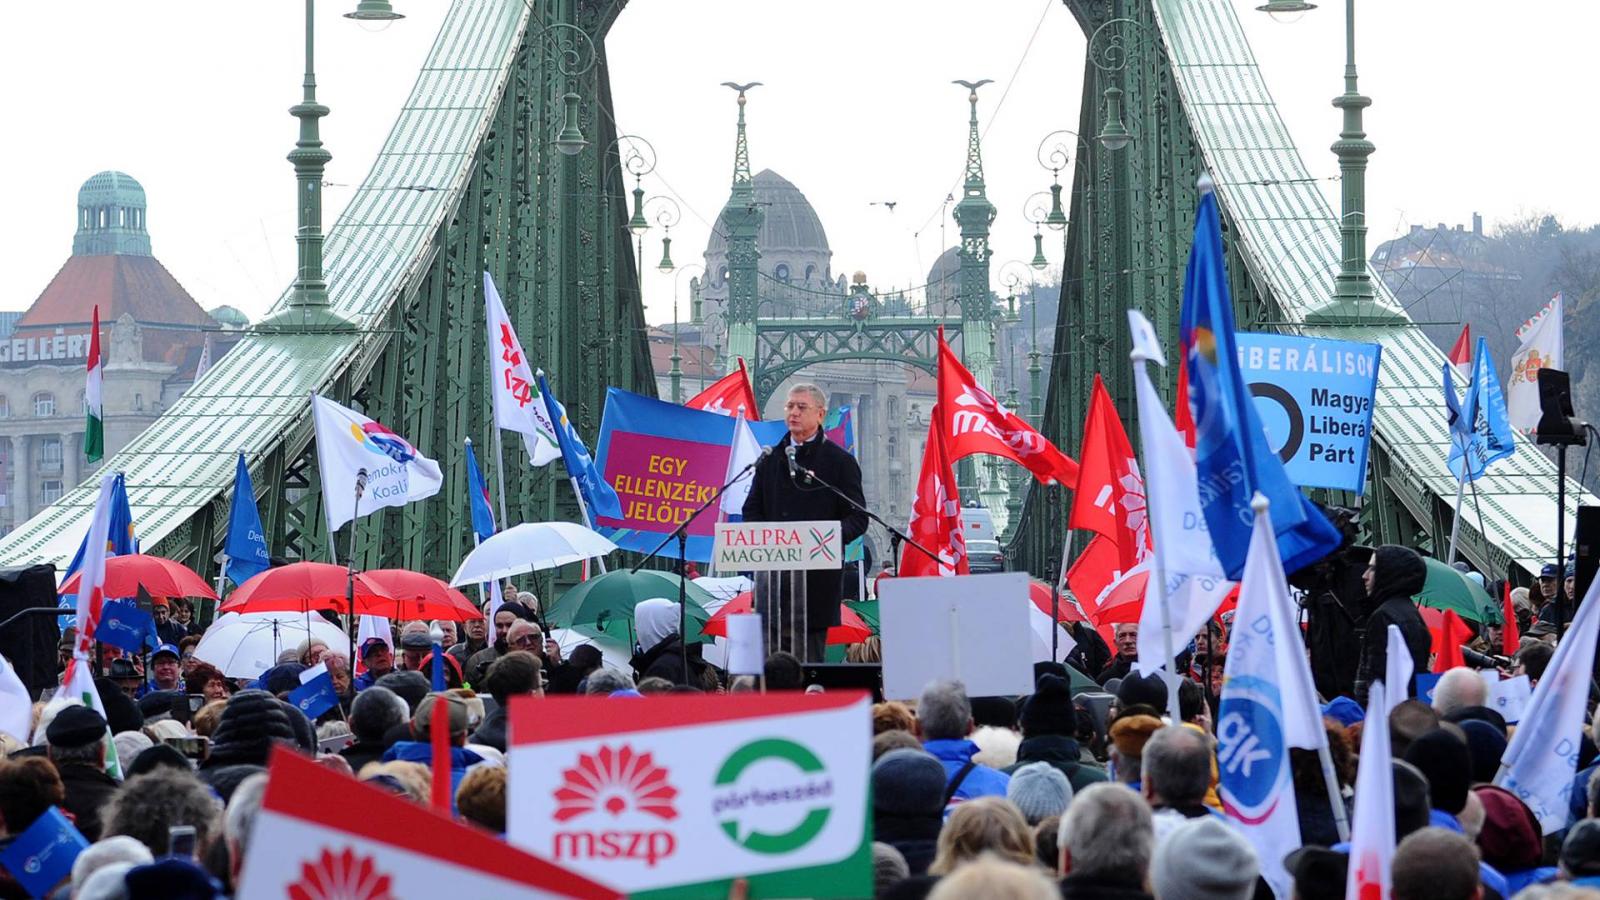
(153,337)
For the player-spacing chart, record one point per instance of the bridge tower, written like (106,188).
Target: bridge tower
(741,222)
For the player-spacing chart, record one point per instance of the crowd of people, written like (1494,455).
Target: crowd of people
(1076,790)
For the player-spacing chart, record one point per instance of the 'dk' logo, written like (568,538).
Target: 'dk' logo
(623,789)
(1251,755)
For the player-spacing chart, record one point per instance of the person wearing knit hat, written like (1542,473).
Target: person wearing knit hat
(1128,737)
(1142,690)
(1204,859)
(1040,791)
(1580,854)
(1485,744)
(1049,733)
(1446,762)
(1511,840)
(250,724)
(908,805)
(420,748)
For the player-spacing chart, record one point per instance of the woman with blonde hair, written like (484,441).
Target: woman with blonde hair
(983,825)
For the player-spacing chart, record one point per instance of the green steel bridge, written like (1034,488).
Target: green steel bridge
(470,180)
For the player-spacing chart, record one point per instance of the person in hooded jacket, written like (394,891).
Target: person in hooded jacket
(1393,577)
(660,652)
(1049,734)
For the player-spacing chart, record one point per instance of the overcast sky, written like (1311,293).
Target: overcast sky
(1476,108)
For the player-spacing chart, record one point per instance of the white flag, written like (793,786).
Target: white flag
(518,404)
(1540,760)
(746,450)
(349,443)
(16,707)
(1195,584)
(1372,831)
(1543,346)
(1267,706)
(1397,671)
(204,364)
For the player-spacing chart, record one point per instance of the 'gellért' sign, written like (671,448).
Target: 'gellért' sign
(1315,399)
(772,546)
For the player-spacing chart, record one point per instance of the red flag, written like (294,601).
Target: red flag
(936,513)
(1461,353)
(975,422)
(1447,641)
(439,736)
(1182,414)
(731,395)
(1510,637)
(1109,501)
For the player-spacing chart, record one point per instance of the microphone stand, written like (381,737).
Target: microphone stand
(681,535)
(350,572)
(896,536)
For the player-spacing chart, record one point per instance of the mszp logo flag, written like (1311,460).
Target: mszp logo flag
(687,792)
(347,443)
(518,405)
(325,835)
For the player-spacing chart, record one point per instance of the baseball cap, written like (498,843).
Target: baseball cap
(166,648)
(370,644)
(1550,570)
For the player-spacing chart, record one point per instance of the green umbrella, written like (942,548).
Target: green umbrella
(607,602)
(1079,683)
(1448,588)
(868,611)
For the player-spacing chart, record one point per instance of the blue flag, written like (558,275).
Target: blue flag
(315,696)
(123,624)
(1480,430)
(598,496)
(246,545)
(119,542)
(438,668)
(42,855)
(478,498)
(1232,457)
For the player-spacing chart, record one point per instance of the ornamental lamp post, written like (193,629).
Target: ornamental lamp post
(1353,294)
(307,307)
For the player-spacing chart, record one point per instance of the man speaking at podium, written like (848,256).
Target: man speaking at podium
(779,494)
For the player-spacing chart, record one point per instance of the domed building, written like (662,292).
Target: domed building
(152,336)
(796,262)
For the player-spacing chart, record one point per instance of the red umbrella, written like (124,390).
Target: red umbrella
(303,587)
(159,577)
(851,630)
(419,596)
(1066,609)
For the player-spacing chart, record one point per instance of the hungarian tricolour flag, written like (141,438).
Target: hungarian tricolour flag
(94,431)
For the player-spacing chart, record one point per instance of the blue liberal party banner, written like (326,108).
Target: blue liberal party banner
(1314,398)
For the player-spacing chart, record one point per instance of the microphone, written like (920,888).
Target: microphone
(765,452)
(789,452)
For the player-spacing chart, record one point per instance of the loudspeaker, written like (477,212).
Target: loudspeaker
(847,677)
(1587,546)
(1555,409)
(30,642)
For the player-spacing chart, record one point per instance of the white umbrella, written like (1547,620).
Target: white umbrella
(724,589)
(243,645)
(614,654)
(530,547)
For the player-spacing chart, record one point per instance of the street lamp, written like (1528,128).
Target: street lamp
(667,213)
(1108,52)
(1036,209)
(308,306)
(1286,11)
(675,374)
(1353,294)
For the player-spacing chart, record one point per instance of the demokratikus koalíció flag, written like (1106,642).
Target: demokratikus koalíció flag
(347,443)
(1268,706)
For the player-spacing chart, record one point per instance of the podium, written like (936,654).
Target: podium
(778,557)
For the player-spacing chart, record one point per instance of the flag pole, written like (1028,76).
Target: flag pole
(583,509)
(1455,524)
(1159,573)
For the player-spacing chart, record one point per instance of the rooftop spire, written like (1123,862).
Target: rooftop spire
(743,181)
(974,182)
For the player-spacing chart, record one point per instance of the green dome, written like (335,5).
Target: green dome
(111,217)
